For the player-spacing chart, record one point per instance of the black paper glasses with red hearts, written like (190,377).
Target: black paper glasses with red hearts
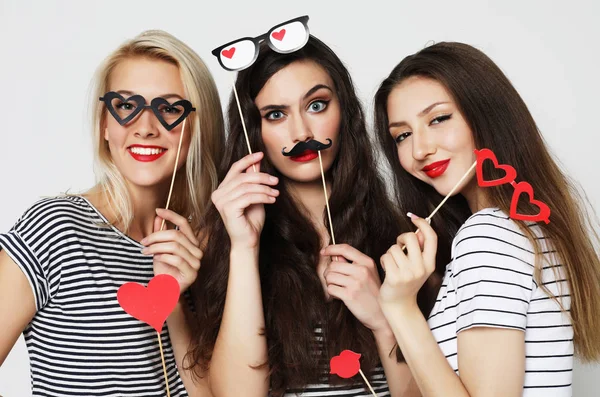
(126,109)
(284,38)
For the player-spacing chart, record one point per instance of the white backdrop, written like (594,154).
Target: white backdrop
(50,50)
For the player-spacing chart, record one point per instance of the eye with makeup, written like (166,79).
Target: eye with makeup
(171,110)
(400,137)
(274,115)
(440,119)
(318,106)
(126,106)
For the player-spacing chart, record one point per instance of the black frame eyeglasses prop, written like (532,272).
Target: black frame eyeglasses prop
(158,106)
(284,38)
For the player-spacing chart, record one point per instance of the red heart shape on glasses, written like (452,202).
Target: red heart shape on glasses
(228,53)
(278,35)
(346,365)
(542,215)
(151,305)
(487,154)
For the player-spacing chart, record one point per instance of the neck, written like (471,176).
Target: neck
(312,197)
(144,201)
(474,196)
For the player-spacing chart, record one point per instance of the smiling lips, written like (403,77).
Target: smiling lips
(306,155)
(436,169)
(145,153)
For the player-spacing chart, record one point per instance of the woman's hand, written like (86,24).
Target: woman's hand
(354,279)
(176,251)
(240,200)
(406,273)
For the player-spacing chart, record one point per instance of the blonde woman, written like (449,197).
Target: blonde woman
(65,258)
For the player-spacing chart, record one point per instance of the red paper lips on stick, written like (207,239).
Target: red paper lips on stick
(346,365)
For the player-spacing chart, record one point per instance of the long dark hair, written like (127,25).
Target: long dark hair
(500,121)
(293,298)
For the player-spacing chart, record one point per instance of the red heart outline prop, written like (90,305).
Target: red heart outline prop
(487,154)
(278,35)
(228,53)
(346,365)
(524,187)
(151,305)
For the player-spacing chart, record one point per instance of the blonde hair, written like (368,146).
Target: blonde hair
(192,189)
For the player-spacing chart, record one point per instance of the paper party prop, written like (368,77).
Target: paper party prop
(151,305)
(286,37)
(346,365)
(520,187)
(509,177)
(239,54)
(126,109)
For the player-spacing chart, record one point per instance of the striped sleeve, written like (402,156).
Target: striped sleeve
(493,273)
(27,244)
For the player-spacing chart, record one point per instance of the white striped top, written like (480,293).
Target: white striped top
(80,341)
(489,283)
(324,388)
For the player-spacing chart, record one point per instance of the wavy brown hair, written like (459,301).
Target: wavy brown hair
(500,121)
(293,298)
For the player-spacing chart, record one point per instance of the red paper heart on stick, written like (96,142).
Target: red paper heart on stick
(542,215)
(228,53)
(278,35)
(153,304)
(346,365)
(487,154)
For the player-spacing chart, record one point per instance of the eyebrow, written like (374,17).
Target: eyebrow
(308,94)
(315,89)
(166,96)
(421,114)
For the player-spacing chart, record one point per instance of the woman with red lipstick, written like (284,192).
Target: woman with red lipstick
(63,261)
(518,298)
(275,300)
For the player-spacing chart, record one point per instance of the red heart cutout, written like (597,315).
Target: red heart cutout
(278,35)
(151,305)
(487,154)
(228,53)
(346,365)
(524,187)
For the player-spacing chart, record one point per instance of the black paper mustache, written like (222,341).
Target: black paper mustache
(301,147)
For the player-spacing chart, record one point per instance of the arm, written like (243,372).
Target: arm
(17,304)
(357,283)
(491,361)
(177,252)
(241,345)
(179,333)
(398,375)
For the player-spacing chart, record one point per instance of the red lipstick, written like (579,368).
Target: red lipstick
(146,153)
(307,155)
(436,169)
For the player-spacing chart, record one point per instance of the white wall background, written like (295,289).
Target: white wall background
(50,49)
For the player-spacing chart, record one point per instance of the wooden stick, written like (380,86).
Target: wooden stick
(326,197)
(174,170)
(327,202)
(367,382)
(162,356)
(428,219)
(237,100)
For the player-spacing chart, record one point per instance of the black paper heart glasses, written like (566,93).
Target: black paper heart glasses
(126,109)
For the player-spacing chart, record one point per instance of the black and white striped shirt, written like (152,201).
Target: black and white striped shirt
(80,341)
(324,388)
(489,283)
